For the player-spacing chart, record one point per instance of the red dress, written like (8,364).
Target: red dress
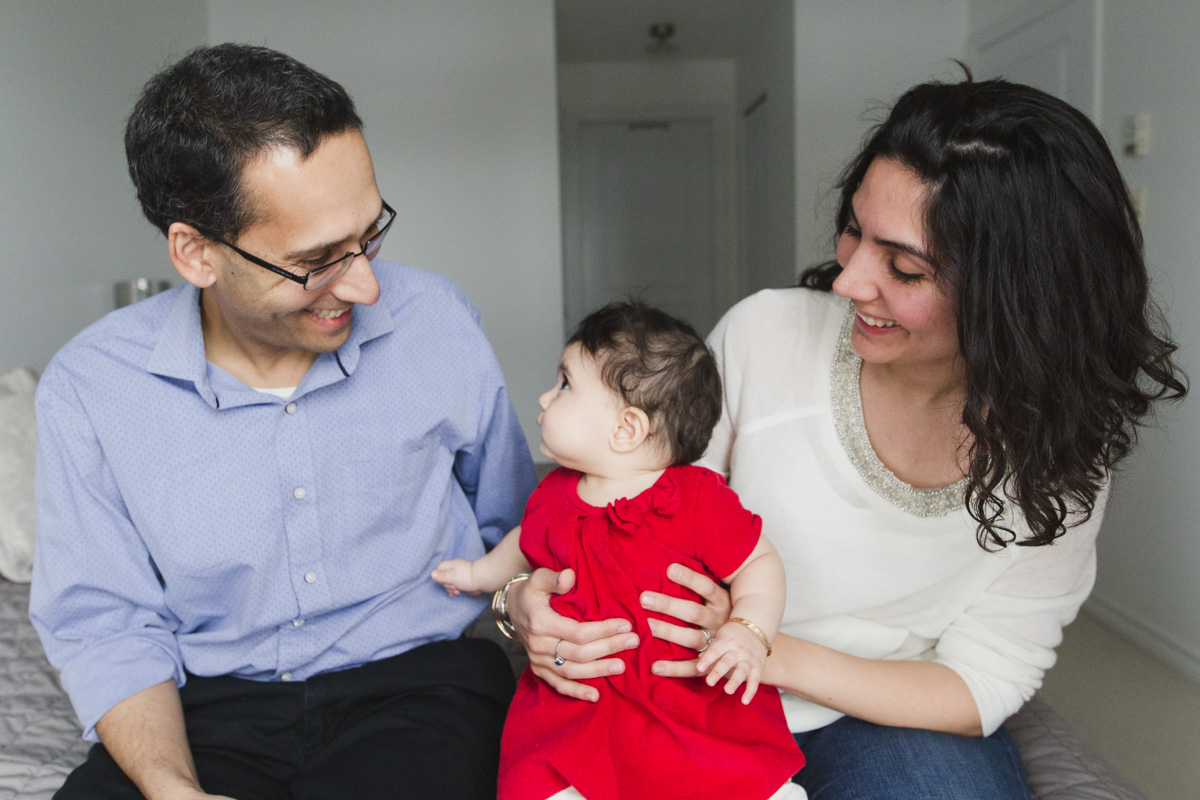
(646,736)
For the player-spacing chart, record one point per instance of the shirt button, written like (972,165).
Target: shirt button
(310,577)
(290,408)
(298,493)
(298,622)
(285,677)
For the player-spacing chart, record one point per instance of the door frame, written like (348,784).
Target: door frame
(728,277)
(1086,44)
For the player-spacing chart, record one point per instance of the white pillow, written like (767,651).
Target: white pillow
(18,451)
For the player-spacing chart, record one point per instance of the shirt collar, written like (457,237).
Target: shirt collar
(179,351)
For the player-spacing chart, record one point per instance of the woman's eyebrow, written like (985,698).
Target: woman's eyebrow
(903,247)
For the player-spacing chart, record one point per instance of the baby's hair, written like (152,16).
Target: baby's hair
(661,365)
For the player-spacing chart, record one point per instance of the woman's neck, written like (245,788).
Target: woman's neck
(929,386)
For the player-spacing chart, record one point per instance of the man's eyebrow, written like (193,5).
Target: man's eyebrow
(312,252)
(903,247)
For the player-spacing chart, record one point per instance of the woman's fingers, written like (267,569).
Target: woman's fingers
(585,648)
(712,614)
(714,594)
(675,669)
(698,615)
(568,688)
(689,637)
(536,622)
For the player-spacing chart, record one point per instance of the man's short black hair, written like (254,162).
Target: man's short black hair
(200,121)
(657,363)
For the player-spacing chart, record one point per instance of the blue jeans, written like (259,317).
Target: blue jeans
(855,760)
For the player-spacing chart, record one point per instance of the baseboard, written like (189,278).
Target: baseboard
(1146,635)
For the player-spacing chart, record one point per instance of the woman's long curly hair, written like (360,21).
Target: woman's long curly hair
(1036,241)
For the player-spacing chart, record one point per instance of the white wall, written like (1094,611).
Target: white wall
(766,65)
(459,104)
(1149,582)
(69,74)
(1148,586)
(852,55)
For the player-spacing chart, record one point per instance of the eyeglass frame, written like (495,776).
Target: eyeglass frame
(303,280)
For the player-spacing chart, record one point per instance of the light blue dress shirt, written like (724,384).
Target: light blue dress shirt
(186,521)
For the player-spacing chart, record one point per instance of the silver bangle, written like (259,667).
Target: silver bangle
(500,605)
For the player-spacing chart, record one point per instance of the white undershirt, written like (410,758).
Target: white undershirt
(284,393)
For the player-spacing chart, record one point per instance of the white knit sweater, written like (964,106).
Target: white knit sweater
(876,568)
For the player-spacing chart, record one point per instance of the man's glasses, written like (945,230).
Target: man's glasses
(323,276)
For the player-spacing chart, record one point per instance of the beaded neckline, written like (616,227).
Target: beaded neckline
(852,432)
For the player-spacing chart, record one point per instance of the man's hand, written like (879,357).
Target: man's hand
(457,575)
(584,647)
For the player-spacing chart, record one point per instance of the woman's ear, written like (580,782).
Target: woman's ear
(189,252)
(631,430)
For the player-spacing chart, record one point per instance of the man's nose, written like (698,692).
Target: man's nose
(358,283)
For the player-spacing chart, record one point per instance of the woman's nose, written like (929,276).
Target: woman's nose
(855,281)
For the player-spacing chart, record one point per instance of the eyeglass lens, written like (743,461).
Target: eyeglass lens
(330,273)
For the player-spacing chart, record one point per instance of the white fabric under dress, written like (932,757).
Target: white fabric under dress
(876,568)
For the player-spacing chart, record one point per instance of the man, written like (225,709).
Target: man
(244,483)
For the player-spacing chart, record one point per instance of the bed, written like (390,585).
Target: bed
(40,738)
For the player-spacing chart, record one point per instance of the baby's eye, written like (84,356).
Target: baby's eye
(564,384)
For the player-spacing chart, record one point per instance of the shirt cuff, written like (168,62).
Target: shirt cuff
(114,669)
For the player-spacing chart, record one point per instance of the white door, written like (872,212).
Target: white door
(641,221)
(1055,52)
(756,211)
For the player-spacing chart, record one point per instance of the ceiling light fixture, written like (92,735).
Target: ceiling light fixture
(661,34)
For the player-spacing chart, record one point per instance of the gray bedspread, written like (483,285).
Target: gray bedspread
(40,740)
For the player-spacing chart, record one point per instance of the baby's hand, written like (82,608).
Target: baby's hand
(456,575)
(736,653)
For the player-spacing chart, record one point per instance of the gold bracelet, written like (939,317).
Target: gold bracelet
(756,629)
(500,605)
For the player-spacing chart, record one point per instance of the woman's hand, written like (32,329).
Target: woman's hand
(709,616)
(584,647)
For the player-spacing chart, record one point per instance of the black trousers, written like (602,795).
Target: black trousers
(424,724)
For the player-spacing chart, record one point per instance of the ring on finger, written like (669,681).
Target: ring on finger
(558,660)
(708,639)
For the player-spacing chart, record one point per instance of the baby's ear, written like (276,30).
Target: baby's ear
(631,430)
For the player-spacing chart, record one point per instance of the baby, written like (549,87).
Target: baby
(635,402)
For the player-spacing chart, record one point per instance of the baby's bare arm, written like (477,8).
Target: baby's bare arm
(486,573)
(738,651)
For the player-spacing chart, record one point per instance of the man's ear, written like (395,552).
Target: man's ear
(631,430)
(190,253)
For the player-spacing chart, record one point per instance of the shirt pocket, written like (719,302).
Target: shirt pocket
(390,516)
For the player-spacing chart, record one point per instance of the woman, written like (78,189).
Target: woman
(929,444)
